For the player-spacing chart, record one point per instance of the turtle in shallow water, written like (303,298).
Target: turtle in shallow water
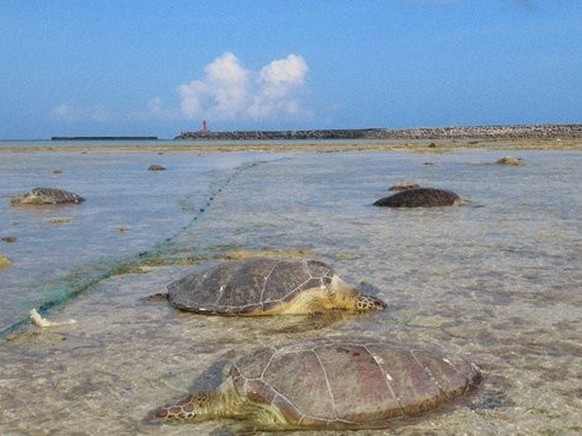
(330,383)
(421,197)
(509,161)
(267,286)
(404,186)
(46,196)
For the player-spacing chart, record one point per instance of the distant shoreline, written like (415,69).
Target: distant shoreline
(557,137)
(104,138)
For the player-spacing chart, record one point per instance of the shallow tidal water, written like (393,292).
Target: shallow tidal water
(497,282)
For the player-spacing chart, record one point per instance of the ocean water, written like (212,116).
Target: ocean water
(497,282)
(128,211)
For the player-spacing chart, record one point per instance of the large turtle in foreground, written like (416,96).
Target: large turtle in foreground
(266,286)
(330,383)
(421,197)
(37,196)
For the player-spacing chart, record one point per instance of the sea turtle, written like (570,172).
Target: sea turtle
(404,186)
(155,167)
(4,262)
(46,196)
(509,161)
(266,286)
(330,383)
(421,197)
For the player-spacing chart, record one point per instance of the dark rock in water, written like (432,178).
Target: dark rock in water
(37,196)
(8,239)
(156,168)
(420,197)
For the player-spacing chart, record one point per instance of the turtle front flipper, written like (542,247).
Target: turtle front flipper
(224,402)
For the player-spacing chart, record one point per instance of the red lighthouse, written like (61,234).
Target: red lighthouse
(204,127)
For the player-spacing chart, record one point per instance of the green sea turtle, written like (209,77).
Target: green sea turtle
(421,197)
(332,383)
(38,196)
(266,286)
(404,186)
(509,161)
(155,167)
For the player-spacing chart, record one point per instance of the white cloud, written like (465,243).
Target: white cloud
(228,90)
(222,93)
(277,85)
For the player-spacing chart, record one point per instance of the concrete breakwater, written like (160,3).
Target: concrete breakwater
(244,135)
(461,132)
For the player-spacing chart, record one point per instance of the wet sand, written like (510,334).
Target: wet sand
(416,146)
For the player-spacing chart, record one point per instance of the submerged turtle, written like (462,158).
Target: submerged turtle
(47,196)
(266,287)
(421,197)
(330,383)
(509,161)
(155,167)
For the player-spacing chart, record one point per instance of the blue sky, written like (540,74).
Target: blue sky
(159,67)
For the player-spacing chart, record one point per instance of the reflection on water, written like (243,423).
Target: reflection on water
(498,284)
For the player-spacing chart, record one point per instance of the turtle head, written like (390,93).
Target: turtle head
(181,411)
(350,298)
(367,302)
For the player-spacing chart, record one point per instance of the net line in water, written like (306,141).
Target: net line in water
(171,251)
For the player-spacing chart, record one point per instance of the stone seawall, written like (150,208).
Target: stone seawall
(279,134)
(517,131)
